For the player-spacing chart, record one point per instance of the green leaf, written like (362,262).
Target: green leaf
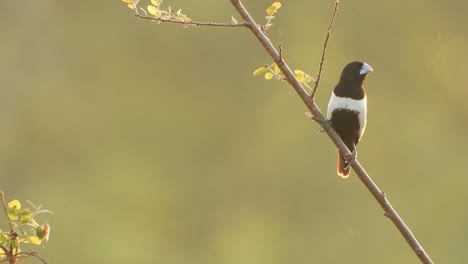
(43,231)
(31,204)
(13,214)
(18,229)
(268,76)
(25,211)
(39,232)
(25,219)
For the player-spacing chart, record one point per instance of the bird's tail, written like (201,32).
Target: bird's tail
(341,167)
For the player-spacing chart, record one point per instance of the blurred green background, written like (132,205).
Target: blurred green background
(154,143)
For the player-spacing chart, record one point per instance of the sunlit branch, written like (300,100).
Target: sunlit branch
(317,115)
(192,23)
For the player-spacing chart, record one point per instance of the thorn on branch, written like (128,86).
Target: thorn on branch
(280,54)
(311,116)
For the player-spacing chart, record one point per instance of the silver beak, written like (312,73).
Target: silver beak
(365,69)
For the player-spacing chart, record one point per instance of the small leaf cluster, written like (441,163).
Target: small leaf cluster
(273,71)
(303,77)
(132,4)
(271,10)
(25,228)
(155,11)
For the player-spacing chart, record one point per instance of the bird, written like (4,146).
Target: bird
(347,111)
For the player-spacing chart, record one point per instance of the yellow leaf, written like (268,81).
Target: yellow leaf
(152,10)
(271,10)
(13,214)
(34,240)
(155,2)
(268,76)
(234,21)
(15,204)
(16,251)
(260,70)
(299,75)
(127,1)
(308,78)
(277,5)
(276,69)
(131,6)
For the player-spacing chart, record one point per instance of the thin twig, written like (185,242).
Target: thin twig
(29,254)
(317,114)
(2,197)
(324,50)
(192,23)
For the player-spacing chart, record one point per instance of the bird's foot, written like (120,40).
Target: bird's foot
(351,159)
(322,123)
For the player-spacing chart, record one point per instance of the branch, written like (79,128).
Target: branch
(317,115)
(192,23)
(29,254)
(2,197)
(325,44)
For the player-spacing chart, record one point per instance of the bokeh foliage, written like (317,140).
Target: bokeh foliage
(23,230)
(154,143)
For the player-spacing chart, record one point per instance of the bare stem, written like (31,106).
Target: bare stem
(23,255)
(317,115)
(192,23)
(324,50)
(2,197)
